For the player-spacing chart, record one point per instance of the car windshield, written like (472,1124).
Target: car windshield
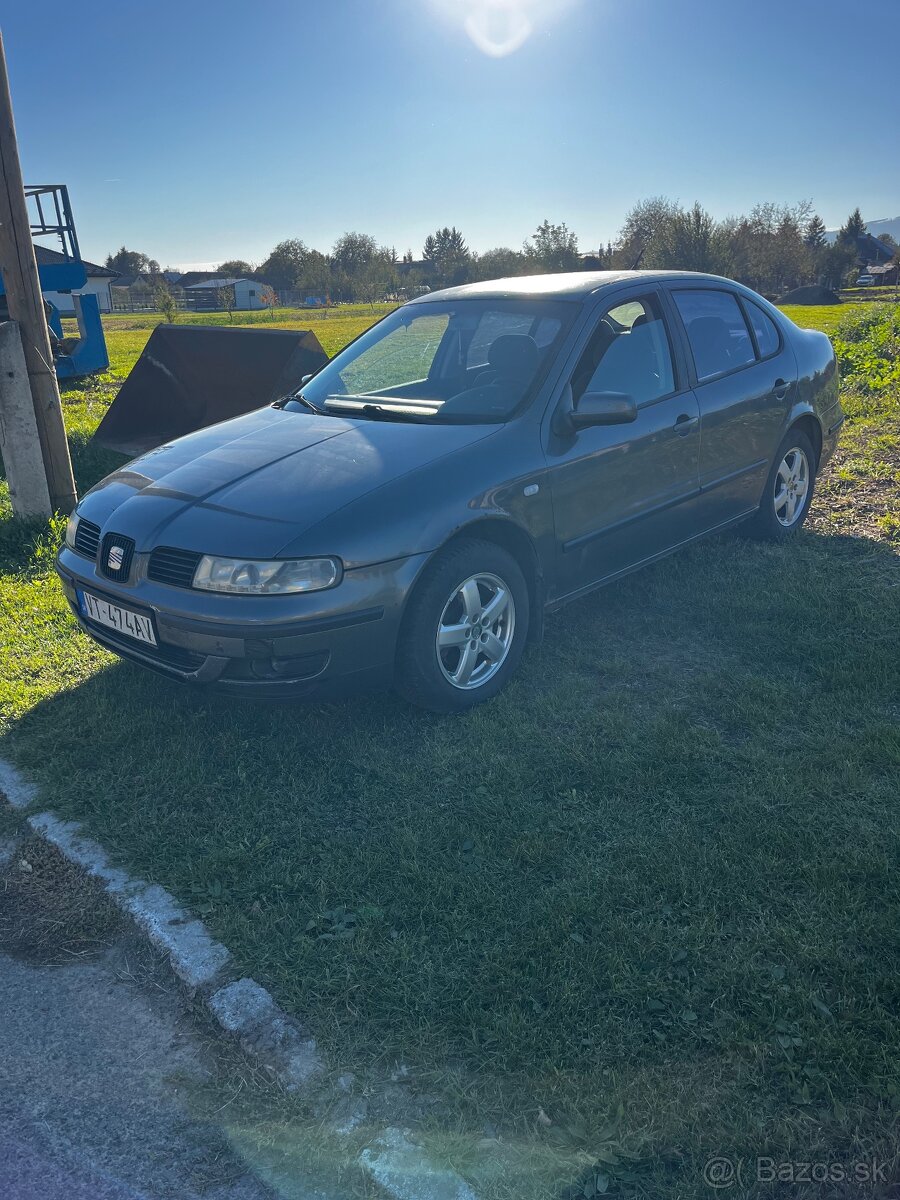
(455,361)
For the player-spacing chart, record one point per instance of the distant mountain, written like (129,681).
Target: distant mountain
(889,225)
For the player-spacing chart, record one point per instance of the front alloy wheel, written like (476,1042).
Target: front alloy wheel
(476,631)
(464,629)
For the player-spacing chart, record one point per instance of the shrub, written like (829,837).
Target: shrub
(867,342)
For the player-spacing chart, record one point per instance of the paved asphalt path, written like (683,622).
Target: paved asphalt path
(93,1079)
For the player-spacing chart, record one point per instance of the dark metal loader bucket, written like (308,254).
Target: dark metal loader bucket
(191,376)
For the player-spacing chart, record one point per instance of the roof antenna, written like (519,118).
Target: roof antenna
(637,262)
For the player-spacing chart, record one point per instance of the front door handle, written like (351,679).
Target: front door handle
(685,424)
(779,389)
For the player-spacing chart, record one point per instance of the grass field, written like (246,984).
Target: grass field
(822,316)
(640,911)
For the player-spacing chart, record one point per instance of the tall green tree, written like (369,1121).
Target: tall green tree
(643,224)
(448,255)
(446,241)
(132,262)
(500,263)
(375,280)
(764,248)
(234,268)
(814,233)
(684,241)
(854,227)
(284,263)
(352,252)
(315,276)
(553,248)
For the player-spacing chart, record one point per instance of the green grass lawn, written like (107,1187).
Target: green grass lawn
(639,911)
(819,316)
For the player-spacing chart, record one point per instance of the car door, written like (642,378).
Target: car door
(745,375)
(623,493)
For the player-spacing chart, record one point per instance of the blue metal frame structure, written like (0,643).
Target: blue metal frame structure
(50,215)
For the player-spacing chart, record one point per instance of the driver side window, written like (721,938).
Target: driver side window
(629,353)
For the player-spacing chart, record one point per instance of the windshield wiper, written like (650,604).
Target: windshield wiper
(299,398)
(372,412)
(377,413)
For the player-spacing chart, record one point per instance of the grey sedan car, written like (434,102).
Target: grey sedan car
(470,463)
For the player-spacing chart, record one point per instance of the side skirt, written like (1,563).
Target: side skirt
(561,601)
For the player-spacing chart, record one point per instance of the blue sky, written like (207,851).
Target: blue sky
(209,129)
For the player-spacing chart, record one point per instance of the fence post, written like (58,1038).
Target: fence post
(19,442)
(26,305)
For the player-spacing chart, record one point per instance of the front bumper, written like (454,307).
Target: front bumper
(261,646)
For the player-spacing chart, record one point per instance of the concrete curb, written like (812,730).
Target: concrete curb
(243,1009)
(196,959)
(17,791)
(399,1166)
(240,1007)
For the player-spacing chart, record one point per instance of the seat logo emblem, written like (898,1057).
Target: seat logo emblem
(116,558)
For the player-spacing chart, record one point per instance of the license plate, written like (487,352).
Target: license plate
(122,620)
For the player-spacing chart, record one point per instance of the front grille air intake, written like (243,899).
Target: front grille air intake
(172,566)
(87,538)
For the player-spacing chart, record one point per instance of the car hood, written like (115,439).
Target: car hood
(250,486)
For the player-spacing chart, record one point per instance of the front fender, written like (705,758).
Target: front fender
(424,509)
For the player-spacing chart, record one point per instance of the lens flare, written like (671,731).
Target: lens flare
(500,27)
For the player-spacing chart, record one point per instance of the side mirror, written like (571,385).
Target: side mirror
(603,408)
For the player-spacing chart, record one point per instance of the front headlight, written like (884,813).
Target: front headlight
(71,530)
(266,578)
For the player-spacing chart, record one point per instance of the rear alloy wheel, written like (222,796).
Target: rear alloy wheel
(791,485)
(789,490)
(465,630)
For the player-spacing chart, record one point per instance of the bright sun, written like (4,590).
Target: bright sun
(500,27)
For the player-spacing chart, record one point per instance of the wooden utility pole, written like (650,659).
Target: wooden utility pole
(26,308)
(19,441)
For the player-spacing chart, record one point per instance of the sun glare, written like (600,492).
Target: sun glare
(500,27)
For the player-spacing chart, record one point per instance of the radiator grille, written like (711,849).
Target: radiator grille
(172,566)
(87,538)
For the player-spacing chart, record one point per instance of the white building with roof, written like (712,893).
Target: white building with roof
(206,295)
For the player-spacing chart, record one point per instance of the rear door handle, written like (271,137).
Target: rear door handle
(779,389)
(685,424)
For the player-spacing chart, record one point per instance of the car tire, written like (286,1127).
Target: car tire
(465,628)
(788,492)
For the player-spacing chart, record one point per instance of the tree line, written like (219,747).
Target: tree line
(359,269)
(773,248)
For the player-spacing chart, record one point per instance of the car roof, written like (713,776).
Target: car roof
(571,285)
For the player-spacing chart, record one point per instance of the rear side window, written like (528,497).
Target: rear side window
(764,327)
(716,329)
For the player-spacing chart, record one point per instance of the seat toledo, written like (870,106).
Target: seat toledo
(473,461)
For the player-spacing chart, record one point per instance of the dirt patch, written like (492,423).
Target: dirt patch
(49,910)
(814,294)
(862,503)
